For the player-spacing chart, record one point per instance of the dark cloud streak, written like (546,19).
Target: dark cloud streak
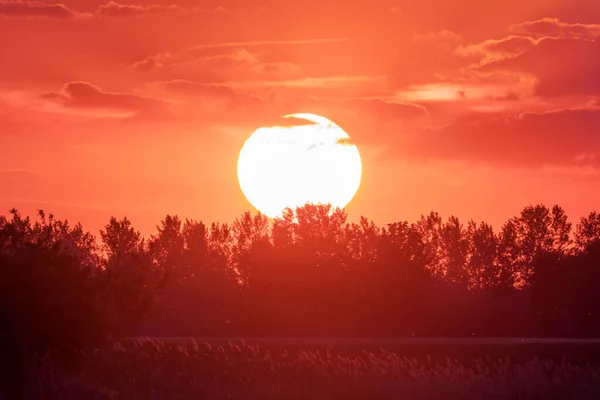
(87,96)
(37,9)
(563,137)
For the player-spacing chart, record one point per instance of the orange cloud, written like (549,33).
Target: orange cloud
(180,62)
(114,9)
(472,93)
(199,89)
(24,8)
(385,110)
(211,92)
(217,65)
(154,62)
(266,43)
(498,49)
(562,58)
(324,87)
(562,66)
(553,27)
(86,95)
(274,70)
(371,109)
(444,38)
(37,9)
(434,92)
(510,96)
(227,60)
(239,58)
(563,137)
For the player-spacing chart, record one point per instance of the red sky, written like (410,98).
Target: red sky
(472,108)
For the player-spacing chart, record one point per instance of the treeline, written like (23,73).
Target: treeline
(308,273)
(311,273)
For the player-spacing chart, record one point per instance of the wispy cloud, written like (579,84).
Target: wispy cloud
(85,96)
(257,43)
(37,9)
(114,9)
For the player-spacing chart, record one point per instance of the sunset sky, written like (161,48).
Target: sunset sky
(139,109)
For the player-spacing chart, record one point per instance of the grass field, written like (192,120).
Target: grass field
(576,351)
(175,368)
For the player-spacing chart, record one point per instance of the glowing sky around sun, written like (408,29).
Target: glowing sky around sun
(140,109)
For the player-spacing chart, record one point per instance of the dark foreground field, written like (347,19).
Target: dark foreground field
(174,368)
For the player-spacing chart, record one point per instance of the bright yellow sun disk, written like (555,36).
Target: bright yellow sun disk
(281,167)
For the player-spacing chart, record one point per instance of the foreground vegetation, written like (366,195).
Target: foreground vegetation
(65,292)
(150,369)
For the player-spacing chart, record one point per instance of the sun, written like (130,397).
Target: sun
(289,166)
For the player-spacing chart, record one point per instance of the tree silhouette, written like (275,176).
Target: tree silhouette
(454,251)
(309,272)
(130,282)
(50,302)
(483,267)
(588,230)
(202,290)
(429,228)
(535,233)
